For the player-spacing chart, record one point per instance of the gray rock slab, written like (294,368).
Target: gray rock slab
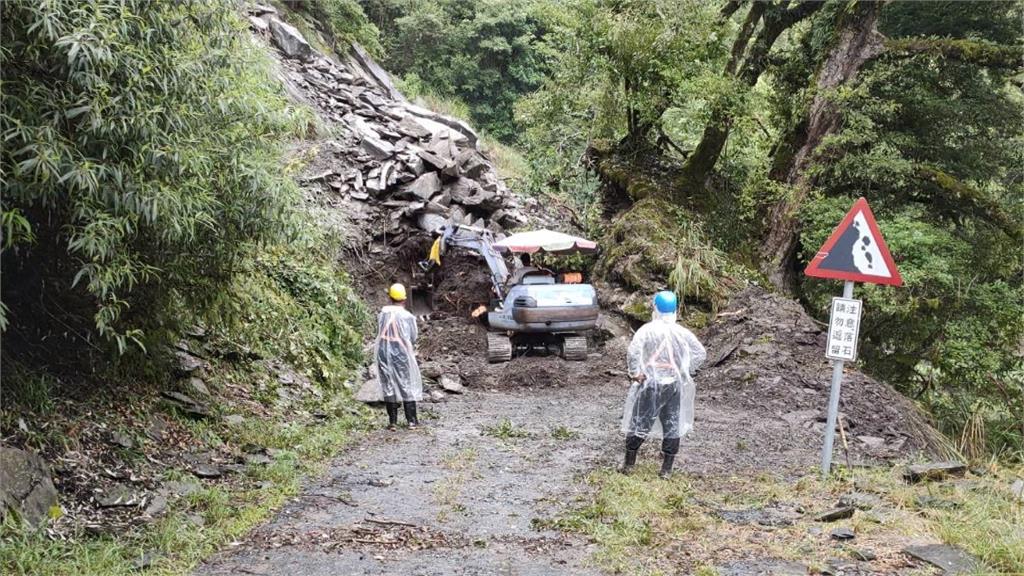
(376,147)
(423,187)
(933,471)
(840,513)
(950,559)
(451,383)
(456,125)
(842,534)
(289,40)
(370,392)
(25,486)
(195,385)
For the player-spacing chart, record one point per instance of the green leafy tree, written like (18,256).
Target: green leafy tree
(618,70)
(139,159)
(483,53)
(343,21)
(933,138)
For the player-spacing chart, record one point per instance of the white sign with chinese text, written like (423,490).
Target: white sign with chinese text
(843,328)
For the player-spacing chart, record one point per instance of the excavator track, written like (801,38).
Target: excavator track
(499,348)
(574,348)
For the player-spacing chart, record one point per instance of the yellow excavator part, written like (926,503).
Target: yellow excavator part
(435,252)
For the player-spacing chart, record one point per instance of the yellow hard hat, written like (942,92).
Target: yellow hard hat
(397,292)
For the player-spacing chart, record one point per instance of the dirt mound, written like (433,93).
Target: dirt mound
(766,356)
(458,344)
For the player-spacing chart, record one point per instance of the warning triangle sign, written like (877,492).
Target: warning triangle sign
(856,251)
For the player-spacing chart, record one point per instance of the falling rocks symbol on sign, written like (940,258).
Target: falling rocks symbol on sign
(840,257)
(856,251)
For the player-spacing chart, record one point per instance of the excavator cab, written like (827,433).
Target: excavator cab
(532,306)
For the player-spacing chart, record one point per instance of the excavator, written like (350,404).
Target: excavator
(529,307)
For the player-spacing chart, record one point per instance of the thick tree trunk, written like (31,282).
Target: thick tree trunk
(773,20)
(857,41)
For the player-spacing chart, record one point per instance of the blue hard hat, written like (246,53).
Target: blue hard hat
(665,302)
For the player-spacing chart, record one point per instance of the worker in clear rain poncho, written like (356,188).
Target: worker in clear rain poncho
(395,353)
(663,356)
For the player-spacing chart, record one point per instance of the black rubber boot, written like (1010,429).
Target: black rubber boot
(632,447)
(410,414)
(666,466)
(630,462)
(669,449)
(392,408)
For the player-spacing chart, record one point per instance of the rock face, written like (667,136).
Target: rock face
(25,486)
(289,40)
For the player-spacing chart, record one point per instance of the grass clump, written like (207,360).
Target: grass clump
(564,433)
(505,430)
(655,245)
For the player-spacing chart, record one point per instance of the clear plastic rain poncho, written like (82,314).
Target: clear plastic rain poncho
(395,352)
(667,355)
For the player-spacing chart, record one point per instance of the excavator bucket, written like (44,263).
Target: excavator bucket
(421,301)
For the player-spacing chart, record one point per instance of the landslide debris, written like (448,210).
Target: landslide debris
(394,167)
(766,355)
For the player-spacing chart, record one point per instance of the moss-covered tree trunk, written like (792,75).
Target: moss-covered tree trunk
(857,41)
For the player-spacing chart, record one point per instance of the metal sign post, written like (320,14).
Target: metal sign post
(855,252)
(833,398)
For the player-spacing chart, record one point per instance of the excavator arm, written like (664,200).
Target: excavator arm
(478,240)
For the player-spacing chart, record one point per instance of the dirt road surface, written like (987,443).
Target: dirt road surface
(465,494)
(466,488)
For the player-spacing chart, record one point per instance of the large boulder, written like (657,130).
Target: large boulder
(423,187)
(290,40)
(25,486)
(370,392)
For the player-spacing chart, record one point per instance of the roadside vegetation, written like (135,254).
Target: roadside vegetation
(149,209)
(647,526)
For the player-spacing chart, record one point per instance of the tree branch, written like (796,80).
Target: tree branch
(980,52)
(962,196)
(729,9)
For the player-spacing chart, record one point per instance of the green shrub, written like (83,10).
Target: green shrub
(140,154)
(344,22)
(293,302)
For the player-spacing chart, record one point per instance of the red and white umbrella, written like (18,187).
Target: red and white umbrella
(545,241)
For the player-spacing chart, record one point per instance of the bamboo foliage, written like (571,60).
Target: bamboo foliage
(142,136)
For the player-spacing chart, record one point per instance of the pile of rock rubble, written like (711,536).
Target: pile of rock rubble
(425,169)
